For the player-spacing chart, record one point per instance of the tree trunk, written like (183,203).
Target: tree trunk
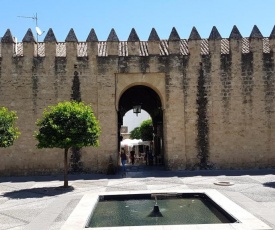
(66,168)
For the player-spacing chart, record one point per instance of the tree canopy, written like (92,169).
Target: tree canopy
(67,125)
(146,130)
(8,131)
(135,133)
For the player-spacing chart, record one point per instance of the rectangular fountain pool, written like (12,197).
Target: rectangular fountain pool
(157,209)
(192,209)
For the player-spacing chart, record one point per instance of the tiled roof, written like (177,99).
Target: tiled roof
(163,47)
(82,49)
(184,47)
(143,49)
(245,48)
(224,46)
(19,49)
(204,47)
(102,49)
(61,49)
(266,46)
(123,48)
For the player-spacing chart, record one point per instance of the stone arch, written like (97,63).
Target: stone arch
(145,96)
(155,81)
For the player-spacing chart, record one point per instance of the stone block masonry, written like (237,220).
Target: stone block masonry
(216,94)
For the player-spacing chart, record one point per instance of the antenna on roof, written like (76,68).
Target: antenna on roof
(37,29)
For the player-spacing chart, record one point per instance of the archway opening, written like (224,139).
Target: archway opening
(131,120)
(149,101)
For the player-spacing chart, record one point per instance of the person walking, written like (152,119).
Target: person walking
(146,154)
(132,156)
(150,157)
(123,159)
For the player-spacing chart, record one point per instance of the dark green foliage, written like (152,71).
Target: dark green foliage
(8,132)
(135,133)
(146,130)
(66,125)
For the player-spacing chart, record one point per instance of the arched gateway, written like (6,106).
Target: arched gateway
(140,93)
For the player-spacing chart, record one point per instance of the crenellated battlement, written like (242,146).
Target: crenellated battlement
(133,46)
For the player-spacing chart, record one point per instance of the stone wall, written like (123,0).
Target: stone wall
(217,96)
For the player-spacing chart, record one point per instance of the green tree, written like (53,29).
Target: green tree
(146,130)
(135,133)
(67,125)
(8,132)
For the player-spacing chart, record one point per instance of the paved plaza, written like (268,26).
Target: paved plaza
(40,202)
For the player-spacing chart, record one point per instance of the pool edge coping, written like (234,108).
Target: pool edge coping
(80,215)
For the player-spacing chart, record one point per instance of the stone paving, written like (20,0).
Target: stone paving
(40,202)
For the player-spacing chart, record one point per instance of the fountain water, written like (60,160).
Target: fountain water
(176,209)
(155,212)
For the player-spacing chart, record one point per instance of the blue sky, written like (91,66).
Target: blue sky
(143,15)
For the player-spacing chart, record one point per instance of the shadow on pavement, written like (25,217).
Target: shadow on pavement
(58,177)
(137,171)
(161,172)
(37,192)
(269,184)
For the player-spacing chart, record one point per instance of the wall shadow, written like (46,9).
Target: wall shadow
(139,172)
(37,192)
(269,184)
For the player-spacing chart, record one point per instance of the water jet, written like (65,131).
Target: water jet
(155,212)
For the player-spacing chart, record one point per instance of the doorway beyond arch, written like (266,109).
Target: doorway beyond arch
(149,101)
